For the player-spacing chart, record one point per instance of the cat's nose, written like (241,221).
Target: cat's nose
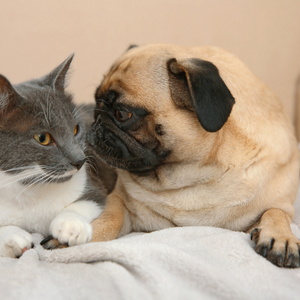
(79,164)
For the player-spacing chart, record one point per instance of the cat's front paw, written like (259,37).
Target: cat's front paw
(71,229)
(14,241)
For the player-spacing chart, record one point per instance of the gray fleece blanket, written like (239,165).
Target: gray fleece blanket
(176,263)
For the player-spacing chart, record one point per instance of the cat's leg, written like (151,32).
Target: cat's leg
(112,223)
(72,225)
(14,241)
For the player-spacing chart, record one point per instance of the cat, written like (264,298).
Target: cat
(45,183)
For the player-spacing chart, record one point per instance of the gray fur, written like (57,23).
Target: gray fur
(42,106)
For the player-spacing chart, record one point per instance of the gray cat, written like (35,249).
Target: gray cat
(45,184)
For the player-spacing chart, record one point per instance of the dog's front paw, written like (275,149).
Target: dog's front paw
(71,229)
(14,241)
(280,249)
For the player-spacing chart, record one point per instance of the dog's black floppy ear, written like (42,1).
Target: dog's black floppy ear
(196,84)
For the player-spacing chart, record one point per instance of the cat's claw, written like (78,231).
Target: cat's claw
(72,229)
(14,241)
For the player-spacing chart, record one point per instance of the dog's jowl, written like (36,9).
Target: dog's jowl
(197,140)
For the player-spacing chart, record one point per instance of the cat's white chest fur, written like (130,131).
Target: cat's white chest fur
(32,208)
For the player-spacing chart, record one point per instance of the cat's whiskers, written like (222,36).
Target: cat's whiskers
(45,181)
(24,168)
(39,178)
(62,175)
(34,173)
(17,169)
(90,159)
(50,109)
(52,179)
(48,105)
(77,110)
(44,113)
(16,177)
(90,163)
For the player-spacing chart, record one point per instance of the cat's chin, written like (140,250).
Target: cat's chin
(63,177)
(68,174)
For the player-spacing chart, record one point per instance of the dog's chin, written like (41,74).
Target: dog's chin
(137,165)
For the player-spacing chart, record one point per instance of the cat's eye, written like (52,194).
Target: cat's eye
(43,138)
(76,129)
(123,115)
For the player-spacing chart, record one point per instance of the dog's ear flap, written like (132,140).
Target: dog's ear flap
(196,84)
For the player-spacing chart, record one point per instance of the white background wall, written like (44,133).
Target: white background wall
(37,35)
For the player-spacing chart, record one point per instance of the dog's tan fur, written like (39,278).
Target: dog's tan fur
(242,177)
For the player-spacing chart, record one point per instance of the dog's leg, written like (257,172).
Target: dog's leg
(109,224)
(274,239)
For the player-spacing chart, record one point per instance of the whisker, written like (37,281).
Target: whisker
(18,168)
(44,112)
(77,110)
(91,166)
(20,179)
(40,177)
(52,178)
(41,183)
(47,180)
(47,107)
(91,159)
(26,167)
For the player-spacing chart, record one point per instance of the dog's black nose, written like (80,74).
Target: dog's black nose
(78,164)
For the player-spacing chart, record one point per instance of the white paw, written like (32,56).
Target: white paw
(14,241)
(72,229)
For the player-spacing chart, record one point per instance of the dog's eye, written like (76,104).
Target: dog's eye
(123,115)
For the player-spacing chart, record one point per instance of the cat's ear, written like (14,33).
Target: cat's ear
(57,78)
(8,96)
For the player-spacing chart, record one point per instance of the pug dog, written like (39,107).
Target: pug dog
(197,140)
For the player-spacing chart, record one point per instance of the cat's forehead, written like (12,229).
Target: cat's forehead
(43,108)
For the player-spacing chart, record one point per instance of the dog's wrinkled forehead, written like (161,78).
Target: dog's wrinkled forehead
(132,79)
